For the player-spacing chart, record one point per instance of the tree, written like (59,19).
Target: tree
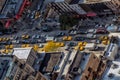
(67,21)
(51,46)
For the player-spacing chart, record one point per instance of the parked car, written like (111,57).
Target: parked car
(16,37)
(42,40)
(72,44)
(14,41)
(91,31)
(8,42)
(91,36)
(35,36)
(25,41)
(46,29)
(101,31)
(60,34)
(82,31)
(33,41)
(73,32)
(67,48)
(79,38)
(1,33)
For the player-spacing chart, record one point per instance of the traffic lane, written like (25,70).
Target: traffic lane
(34,5)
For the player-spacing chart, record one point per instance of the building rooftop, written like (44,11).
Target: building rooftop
(114,72)
(90,45)
(66,63)
(84,61)
(5,61)
(95,1)
(76,63)
(71,57)
(9,8)
(87,60)
(59,0)
(50,61)
(2,2)
(22,53)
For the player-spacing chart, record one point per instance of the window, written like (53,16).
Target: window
(83,59)
(86,77)
(94,57)
(89,69)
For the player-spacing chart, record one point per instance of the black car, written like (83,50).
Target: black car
(60,34)
(8,31)
(3,43)
(16,37)
(25,41)
(1,33)
(42,40)
(72,44)
(46,29)
(82,31)
(8,42)
(79,38)
(33,41)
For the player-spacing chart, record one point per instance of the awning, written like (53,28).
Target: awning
(7,24)
(91,14)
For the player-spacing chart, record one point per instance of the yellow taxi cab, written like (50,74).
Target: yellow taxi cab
(10,51)
(37,15)
(23,45)
(69,38)
(0,39)
(7,46)
(82,43)
(35,47)
(65,38)
(60,44)
(57,44)
(40,50)
(11,46)
(6,51)
(7,39)
(25,36)
(104,38)
(3,39)
(2,51)
(27,45)
(105,42)
(81,48)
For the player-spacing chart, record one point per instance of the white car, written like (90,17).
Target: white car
(92,31)
(15,41)
(41,45)
(91,36)
(73,32)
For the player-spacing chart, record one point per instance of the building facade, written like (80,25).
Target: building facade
(86,66)
(12,10)
(29,55)
(114,5)
(13,68)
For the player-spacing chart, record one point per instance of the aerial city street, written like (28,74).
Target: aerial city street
(59,39)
